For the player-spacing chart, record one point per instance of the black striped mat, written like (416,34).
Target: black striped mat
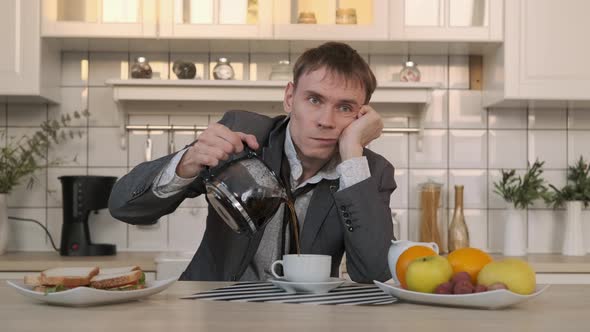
(346,294)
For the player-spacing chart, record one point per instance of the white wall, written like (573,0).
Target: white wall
(463,144)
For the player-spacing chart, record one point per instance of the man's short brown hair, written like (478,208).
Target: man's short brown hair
(340,59)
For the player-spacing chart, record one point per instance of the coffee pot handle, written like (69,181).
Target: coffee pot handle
(272,269)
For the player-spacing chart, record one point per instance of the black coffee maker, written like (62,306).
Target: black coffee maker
(82,194)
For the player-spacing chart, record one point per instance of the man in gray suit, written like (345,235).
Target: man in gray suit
(320,142)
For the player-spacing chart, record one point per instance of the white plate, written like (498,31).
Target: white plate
(307,287)
(486,300)
(86,296)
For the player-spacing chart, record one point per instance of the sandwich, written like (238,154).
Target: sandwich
(61,278)
(120,280)
(64,278)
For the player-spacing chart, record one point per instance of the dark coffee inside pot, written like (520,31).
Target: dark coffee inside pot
(246,194)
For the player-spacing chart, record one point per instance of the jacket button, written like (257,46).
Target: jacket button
(342,208)
(345,215)
(348,222)
(134,193)
(350,229)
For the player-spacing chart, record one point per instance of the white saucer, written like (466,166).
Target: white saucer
(307,287)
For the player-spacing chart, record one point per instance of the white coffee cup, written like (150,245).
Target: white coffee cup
(304,268)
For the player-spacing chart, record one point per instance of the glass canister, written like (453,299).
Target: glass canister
(346,16)
(431,214)
(307,18)
(281,71)
(410,72)
(141,68)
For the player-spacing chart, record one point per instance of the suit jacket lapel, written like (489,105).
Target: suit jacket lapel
(272,154)
(319,206)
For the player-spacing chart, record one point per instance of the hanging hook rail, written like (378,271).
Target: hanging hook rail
(201,128)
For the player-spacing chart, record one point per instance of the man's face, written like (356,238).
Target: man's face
(321,106)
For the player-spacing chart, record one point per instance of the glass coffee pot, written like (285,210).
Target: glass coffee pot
(245,192)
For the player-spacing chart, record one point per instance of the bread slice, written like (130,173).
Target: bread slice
(105,281)
(117,270)
(33,280)
(68,276)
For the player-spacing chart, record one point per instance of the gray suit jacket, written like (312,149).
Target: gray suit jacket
(356,219)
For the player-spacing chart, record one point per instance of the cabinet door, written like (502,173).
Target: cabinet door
(545,53)
(331,19)
(221,19)
(99,18)
(19,54)
(446,20)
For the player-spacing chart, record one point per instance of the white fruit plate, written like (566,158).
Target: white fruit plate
(86,296)
(495,299)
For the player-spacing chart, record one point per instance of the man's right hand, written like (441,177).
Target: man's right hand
(216,143)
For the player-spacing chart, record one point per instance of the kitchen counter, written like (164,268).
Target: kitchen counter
(560,308)
(39,261)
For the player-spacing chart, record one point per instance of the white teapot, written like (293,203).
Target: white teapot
(398,247)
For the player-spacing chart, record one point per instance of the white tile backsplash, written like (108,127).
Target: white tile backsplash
(187,227)
(507,149)
(23,115)
(507,118)
(102,108)
(547,118)
(545,231)
(30,192)
(25,235)
(138,146)
(547,145)
(578,144)
(148,237)
(468,149)
(579,118)
(74,69)
(104,148)
(459,72)
(401,216)
(73,152)
(466,110)
(73,99)
(436,114)
(107,65)
(462,144)
(394,147)
(434,152)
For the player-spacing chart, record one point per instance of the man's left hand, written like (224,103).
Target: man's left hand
(360,132)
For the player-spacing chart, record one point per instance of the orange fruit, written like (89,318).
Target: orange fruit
(470,260)
(407,257)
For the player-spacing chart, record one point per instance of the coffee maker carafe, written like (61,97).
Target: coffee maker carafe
(82,194)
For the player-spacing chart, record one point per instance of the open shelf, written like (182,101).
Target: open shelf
(417,94)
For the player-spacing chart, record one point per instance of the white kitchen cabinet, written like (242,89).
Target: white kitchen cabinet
(29,68)
(371,19)
(220,19)
(446,20)
(99,18)
(544,57)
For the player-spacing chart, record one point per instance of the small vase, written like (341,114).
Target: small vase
(3,224)
(514,232)
(458,233)
(573,236)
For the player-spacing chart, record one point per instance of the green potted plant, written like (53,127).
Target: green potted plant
(573,195)
(20,158)
(519,193)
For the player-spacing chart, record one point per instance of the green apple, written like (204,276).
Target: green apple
(515,273)
(424,274)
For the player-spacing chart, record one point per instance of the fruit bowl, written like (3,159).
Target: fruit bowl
(495,299)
